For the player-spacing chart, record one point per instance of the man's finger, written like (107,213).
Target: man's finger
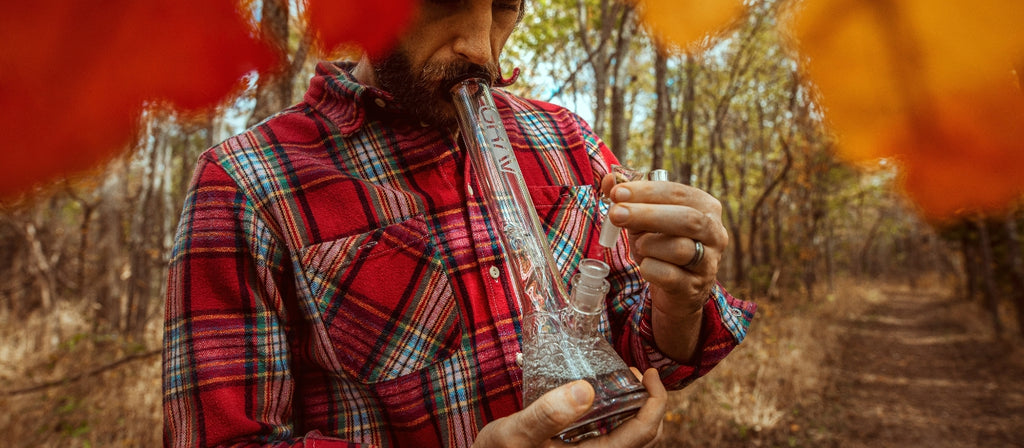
(662,218)
(607,182)
(645,426)
(664,193)
(553,412)
(652,381)
(669,248)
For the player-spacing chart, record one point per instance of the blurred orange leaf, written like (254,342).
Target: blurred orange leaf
(683,22)
(74,75)
(929,83)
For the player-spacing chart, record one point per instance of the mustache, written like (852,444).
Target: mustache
(448,73)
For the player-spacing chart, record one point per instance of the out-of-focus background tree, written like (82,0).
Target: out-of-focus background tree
(816,241)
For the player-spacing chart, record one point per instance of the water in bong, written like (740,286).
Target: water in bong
(553,359)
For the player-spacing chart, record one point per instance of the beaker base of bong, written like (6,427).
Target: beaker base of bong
(616,399)
(554,355)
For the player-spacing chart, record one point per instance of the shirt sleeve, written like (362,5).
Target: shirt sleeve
(227,378)
(725,319)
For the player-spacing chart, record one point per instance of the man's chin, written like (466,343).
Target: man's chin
(442,113)
(443,120)
(433,117)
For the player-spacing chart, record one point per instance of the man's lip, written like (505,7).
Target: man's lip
(470,74)
(479,73)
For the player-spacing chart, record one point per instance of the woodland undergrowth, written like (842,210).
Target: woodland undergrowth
(65,385)
(773,389)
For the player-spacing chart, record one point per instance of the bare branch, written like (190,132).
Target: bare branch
(81,376)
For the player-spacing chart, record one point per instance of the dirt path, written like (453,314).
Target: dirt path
(913,372)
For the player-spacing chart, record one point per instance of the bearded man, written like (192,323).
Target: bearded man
(335,281)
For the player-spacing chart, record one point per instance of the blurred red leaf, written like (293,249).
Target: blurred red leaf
(373,25)
(74,75)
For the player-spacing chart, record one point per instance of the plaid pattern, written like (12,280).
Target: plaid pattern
(330,283)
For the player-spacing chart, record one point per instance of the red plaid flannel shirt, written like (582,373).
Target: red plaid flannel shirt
(334,281)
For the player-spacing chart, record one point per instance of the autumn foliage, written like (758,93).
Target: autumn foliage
(683,22)
(74,76)
(373,25)
(927,83)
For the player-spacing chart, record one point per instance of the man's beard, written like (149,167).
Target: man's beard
(425,95)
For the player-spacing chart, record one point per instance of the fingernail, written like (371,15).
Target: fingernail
(619,214)
(621,194)
(581,393)
(636,373)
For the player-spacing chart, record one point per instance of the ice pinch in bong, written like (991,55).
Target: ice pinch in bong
(561,338)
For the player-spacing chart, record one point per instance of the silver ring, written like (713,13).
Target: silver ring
(698,255)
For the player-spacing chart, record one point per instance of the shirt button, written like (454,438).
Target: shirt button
(380,102)
(469,189)
(495,272)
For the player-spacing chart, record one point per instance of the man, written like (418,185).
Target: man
(335,282)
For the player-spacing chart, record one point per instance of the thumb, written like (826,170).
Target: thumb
(554,411)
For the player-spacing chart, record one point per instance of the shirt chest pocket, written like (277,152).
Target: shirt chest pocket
(384,301)
(569,215)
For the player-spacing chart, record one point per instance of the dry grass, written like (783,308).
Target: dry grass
(118,406)
(765,392)
(770,392)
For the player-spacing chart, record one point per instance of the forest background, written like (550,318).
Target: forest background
(83,271)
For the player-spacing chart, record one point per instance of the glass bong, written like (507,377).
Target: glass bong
(561,338)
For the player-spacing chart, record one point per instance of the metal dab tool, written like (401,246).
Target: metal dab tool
(561,340)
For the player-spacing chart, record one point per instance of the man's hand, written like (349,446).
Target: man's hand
(558,408)
(665,220)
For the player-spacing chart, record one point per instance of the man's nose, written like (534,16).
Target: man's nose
(473,38)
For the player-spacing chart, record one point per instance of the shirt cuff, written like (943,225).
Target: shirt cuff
(723,326)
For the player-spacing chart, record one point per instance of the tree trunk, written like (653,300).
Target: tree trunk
(661,110)
(597,55)
(606,56)
(755,213)
(988,275)
(864,259)
(42,267)
(274,91)
(619,120)
(1013,252)
(971,262)
(829,263)
(688,110)
(147,237)
(84,230)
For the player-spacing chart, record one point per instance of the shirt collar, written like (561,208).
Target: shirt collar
(336,93)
